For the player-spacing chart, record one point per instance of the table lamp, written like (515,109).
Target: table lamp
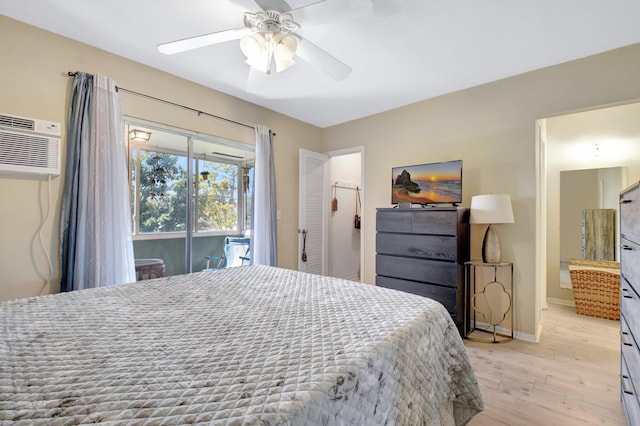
(491,209)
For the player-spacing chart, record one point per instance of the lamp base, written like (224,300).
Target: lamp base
(491,252)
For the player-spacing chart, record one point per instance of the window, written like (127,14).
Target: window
(159,170)
(217,201)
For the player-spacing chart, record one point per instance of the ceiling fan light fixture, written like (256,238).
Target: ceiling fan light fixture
(284,51)
(261,62)
(252,45)
(256,48)
(261,49)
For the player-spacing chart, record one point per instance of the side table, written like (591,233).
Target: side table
(489,301)
(147,269)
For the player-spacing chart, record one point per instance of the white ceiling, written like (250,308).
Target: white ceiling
(425,49)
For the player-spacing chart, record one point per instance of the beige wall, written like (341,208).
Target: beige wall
(492,129)
(34,84)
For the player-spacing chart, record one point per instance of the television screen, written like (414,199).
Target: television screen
(434,183)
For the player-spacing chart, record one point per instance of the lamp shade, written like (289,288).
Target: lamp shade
(491,208)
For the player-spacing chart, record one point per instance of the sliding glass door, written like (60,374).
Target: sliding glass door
(189,197)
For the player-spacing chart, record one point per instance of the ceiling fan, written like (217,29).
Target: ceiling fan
(269,39)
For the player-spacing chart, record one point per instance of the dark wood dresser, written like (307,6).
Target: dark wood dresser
(630,302)
(423,251)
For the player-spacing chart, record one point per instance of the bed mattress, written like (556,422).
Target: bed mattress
(247,345)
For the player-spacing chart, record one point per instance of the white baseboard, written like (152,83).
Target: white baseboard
(563,302)
(529,337)
(520,335)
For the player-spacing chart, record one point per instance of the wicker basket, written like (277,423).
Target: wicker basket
(596,287)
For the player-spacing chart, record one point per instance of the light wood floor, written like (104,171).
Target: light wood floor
(570,378)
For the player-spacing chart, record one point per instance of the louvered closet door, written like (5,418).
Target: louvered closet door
(313,218)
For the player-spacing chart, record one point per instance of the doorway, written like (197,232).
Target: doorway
(331,195)
(345,177)
(600,138)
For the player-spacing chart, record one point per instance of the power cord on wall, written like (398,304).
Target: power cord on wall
(44,247)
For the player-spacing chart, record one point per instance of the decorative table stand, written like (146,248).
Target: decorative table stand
(490,301)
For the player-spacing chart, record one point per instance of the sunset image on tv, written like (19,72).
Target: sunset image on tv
(434,183)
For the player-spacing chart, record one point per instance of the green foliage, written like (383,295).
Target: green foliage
(217,204)
(163,194)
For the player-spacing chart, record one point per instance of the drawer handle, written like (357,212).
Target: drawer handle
(625,340)
(625,388)
(626,247)
(626,201)
(626,294)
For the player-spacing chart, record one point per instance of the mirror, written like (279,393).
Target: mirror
(589,215)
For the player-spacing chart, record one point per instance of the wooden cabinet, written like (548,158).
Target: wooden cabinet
(630,302)
(423,251)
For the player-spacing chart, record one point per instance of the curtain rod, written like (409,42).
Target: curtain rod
(118,88)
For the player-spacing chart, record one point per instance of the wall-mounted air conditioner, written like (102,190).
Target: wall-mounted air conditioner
(29,146)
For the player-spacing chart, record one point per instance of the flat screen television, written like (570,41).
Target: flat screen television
(433,183)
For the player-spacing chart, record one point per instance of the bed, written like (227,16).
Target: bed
(246,345)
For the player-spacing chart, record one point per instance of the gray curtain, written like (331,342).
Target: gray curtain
(97,246)
(78,130)
(264,250)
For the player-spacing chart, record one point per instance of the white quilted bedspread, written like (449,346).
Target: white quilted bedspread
(247,345)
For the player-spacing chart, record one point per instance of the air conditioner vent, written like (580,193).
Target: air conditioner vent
(17,122)
(26,150)
(29,146)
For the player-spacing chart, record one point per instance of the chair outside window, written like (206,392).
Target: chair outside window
(237,251)
(215,262)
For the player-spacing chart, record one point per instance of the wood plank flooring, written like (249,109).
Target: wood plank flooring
(570,378)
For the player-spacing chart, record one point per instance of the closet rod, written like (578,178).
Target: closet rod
(335,185)
(72,74)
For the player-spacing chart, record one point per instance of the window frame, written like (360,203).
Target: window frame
(189,137)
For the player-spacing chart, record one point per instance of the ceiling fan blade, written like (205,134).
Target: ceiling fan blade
(386,7)
(256,81)
(328,12)
(328,63)
(201,41)
(246,4)
(301,4)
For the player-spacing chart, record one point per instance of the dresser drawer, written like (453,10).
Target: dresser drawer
(630,214)
(630,352)
(394,221)
(430,271)
(418,221)
(424,246)
(444,295)
(436,222)
(628,395)
(630,305)
(630,262)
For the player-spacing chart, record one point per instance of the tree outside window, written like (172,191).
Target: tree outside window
(217,205)
(162,192)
